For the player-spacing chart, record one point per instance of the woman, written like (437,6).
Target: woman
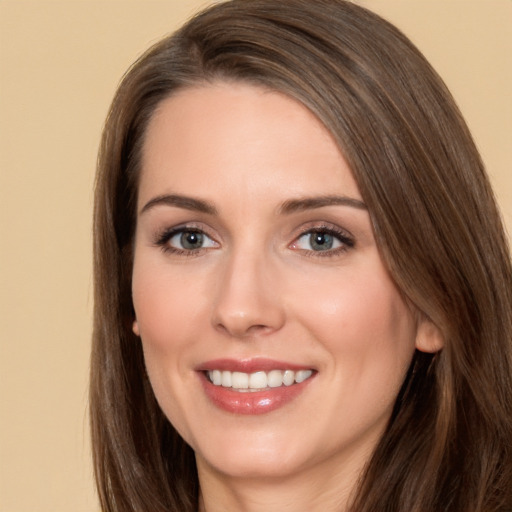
(302,286)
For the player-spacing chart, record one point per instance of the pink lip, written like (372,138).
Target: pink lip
(250,402)
(249,365)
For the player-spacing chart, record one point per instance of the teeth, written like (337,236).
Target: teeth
(226,379)
(239,380)
(275,379)
(302,375)
(289,377)
(257,380)
(216,377)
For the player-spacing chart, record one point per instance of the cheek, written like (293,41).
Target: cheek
(369,334)
(166,309)
(166,305)
(360,317)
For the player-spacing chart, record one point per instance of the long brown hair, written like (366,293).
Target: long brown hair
(448,446)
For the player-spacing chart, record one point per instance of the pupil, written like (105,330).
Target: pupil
(191,240)
(321,241)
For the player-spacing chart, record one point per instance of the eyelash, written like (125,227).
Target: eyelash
(346,241)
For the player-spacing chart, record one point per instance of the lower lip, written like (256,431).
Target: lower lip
(251,402)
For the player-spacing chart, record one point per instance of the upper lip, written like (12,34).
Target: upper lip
(251,365)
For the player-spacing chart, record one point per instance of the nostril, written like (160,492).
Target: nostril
(241,330)
(259,327)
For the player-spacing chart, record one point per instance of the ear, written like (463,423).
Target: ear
(135,328)
(428,337)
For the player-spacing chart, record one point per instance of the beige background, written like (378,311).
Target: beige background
(60,62)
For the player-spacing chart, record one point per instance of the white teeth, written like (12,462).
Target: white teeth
(275,379)
(258,380)
(288,378)
(239,380)
(302,375)
(226,379)
(216,377)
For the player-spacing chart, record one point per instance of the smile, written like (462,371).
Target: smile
(253,386)
(257,381)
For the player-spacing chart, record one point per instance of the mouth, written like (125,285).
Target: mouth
(255,386)
(257,381)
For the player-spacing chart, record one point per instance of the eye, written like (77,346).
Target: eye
(326,240)
(190,240)
(185,240)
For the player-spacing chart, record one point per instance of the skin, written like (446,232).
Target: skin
(256,288)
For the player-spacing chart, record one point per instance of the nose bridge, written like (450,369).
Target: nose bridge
(247,301)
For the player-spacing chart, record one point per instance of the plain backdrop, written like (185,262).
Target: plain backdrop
(60,62)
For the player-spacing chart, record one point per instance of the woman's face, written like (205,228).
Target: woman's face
(274,338)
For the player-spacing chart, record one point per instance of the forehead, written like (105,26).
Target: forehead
(240,137)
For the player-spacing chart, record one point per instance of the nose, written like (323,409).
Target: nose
(248,302)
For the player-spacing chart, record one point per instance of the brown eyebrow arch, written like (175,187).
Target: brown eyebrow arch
(310,203)
(186,202)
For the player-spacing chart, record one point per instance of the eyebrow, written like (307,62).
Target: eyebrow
(288,207)
(310,203)
(186,202)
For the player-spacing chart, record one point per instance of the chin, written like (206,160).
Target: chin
(252,466)
(245,455)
